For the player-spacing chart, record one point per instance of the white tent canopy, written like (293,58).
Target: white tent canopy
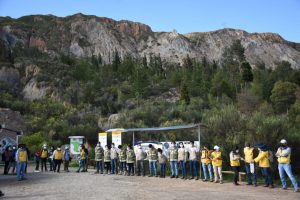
(155,129)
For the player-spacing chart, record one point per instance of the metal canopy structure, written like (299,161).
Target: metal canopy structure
(156,129)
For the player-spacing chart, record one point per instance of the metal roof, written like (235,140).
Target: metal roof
(167,128)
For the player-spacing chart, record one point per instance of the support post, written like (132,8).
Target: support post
(133,139)
(199,140)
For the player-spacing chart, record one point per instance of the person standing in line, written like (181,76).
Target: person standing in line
(152,156)
(82,159)
(114,159)
(249,165)
(173,158)
(21,160)
(107,159)
(57,158)
(283,155)
(235,164)
(44,157)
(66,158)
(50,157)
(263,161)
(130,159)
(7,157)
(206,163)
(140,157)
(193,159)
(122,157)
(37,159)
(12,163)
(216,157)
(99,154)
(162,159)
(182,159)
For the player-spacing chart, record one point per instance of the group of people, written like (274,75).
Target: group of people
(129,161)
(117,160)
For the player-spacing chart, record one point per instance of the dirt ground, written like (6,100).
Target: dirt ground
(90,186)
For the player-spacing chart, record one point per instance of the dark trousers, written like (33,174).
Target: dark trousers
(250,176)
(12,164)
(66,166)
(6,164)
(194,164)
(37,165)
(44,164)
(107,167)
(266,172)
(163,170)
(140,167)
(50,163)
(122,166)
(130,168)
(57,164)
(236,171)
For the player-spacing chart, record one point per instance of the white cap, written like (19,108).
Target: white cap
(283,141)
(58,148)
(67,147)
(216,148)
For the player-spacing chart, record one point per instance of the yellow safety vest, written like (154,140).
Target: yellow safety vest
(284,160)
(44,154)
(57,155)
(205,154)
(82,154)
(263,159)
(216,158)
(248,154)
(22,156)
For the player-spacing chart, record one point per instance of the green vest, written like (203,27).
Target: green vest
(107,156)
(152,154)
(130,156)
(122,155)
(99,153)
(173,154)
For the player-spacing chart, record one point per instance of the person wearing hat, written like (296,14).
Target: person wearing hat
(173,158)
(130,159)
(57,158)
(66,158)
(249,162)
(283,155)
(216,158)
(21,159)
(152,156)
(44,157)
(206,163)
(235,163)
(264,164)
(99,154)
(193,159)
(182,159)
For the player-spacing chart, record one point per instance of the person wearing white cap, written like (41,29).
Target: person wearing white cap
(284,165)
(216,158)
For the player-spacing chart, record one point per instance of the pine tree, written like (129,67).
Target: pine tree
(184,93)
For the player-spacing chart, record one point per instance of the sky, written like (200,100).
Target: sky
(278,16)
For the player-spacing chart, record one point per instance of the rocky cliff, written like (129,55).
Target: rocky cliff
(85,36)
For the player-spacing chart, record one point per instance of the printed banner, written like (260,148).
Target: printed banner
(102,137)
(116,138)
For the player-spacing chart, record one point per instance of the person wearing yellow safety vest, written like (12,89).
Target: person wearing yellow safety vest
(235,163)
(57,158)
(249,165)
(264,164)
(82,159)
(216,158)
(284,165)
(206,163)
(44,157)
(21,159)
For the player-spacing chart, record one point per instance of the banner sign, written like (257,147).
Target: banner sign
(102,137)
(75,142)
(116,138)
